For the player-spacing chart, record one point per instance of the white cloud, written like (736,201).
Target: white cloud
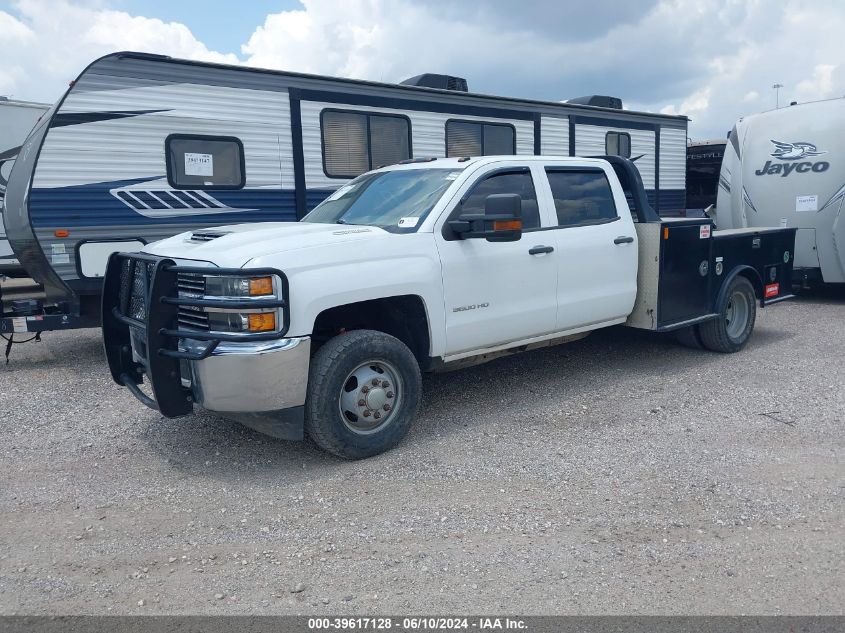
(711,60)
(794,43)
(51,41)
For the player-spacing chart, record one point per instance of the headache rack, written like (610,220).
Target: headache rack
(158,304)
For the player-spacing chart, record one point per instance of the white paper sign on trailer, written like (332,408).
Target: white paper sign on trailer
(199,164)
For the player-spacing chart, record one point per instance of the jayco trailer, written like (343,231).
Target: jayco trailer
(786,168)
(142,147)
(16,120)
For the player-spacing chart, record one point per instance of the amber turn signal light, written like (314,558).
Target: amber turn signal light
(507,225)
(260,286)
(262,322)
(61,232)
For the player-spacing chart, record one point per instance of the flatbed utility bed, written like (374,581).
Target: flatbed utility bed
(685,265)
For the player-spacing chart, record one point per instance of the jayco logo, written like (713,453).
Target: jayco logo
(793,152)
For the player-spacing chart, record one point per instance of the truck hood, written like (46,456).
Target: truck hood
(234,245)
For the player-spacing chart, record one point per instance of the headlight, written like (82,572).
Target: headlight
(242,321)
(244,290)
(238,286)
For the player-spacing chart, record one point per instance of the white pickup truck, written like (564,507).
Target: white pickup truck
(324,326)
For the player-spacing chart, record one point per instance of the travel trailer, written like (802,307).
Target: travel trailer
(704,162)
(786,168)
(142,147)
(16,120)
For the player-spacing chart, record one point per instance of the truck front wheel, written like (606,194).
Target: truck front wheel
(364,390)
(730,331)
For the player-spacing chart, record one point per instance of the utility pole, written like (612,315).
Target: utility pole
(777,88)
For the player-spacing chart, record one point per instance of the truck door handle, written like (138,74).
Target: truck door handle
(623,239)
(540,250)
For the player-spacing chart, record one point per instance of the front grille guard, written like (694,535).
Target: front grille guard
(155,317)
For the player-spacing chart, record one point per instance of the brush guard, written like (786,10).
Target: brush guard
(140,305)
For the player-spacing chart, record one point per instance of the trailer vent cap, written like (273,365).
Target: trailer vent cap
(207,236)
(598,101)
(443,82)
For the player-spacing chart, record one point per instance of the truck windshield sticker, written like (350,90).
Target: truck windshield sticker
(199,164)
(408,223)
(339,193)
(806,203)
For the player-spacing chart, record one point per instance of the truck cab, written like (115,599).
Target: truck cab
(325,325)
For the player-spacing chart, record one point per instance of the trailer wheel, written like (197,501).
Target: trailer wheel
(364,390)
(689,337)
(730,331)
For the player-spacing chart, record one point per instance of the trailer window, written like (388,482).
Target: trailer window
(204,162)
(469,138)
(617,144)
(355,142)
(582,197)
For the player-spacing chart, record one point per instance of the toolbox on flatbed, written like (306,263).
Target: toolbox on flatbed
(685,265)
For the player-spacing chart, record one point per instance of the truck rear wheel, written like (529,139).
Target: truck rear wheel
(730,331)
(364,390)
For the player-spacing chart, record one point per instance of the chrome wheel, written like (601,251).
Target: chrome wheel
(370,396)
(736,314)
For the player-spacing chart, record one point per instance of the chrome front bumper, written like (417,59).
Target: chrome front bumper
(260,377)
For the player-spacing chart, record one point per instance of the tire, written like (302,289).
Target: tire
(730,331)
(689,337)
(364,390)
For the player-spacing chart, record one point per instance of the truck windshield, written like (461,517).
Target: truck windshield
(395,201)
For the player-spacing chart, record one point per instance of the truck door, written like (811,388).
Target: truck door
(497,292)
(596,246)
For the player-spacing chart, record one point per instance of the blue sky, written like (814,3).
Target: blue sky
(222,25)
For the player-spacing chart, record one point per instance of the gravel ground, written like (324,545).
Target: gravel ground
(618,474)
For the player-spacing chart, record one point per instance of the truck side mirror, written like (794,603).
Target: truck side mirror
(500,222)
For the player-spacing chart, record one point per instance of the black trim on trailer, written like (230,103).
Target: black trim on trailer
(300,197)
(366,114)
(359,82)
(168,161)
(657,169)
(579,119)
(76,118)
(538,147)
(482,124)
(571,137)
(397,103)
